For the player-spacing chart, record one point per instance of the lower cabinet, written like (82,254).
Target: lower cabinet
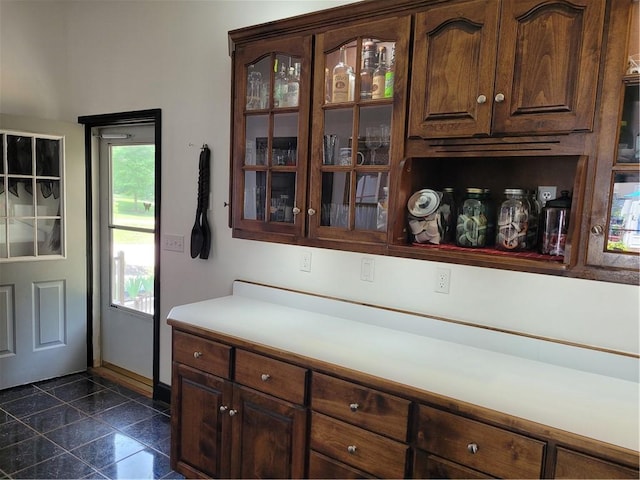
(570,464)
(426,465)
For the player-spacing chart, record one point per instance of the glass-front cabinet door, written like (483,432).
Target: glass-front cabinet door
(271,102)
(357,136)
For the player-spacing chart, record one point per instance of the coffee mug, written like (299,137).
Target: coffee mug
(345,157)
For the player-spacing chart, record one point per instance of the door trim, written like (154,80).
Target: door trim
(160,391)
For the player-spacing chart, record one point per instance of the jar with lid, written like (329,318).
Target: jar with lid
(471,225)
(555,225)
(513,221)
(447,211)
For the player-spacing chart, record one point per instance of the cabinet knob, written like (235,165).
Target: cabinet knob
(473,448)
(295,210)
(481,99)
(197,354)
(264,377)
(311,211)
(351,449)
(597,230)
(354,407)
(499,98)
(223,408)
(232,412)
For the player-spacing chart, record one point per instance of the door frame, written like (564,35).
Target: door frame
(160,391)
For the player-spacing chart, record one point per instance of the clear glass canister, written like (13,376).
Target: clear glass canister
(535,211)
(513,221)
(448,213)
(471,225)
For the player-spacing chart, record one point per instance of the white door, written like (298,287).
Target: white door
(43,301)
(127,249)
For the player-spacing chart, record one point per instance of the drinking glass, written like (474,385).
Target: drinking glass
(373,141)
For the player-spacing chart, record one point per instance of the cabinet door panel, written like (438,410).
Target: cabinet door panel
(548,59)
(430,466)
(268,436)
(577,465)
(197,428)
(453,70)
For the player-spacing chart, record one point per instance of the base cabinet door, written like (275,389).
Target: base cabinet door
(198,428)
(268,436)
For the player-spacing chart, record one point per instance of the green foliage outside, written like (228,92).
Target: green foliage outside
(133,174)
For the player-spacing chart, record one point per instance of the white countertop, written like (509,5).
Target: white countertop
(596,406)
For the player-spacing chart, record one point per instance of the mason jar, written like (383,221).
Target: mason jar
(513,221)
(448,214)
(471,224)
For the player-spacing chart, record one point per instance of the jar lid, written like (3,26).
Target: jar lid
(423,203)
(563,201)
(513,191)
(474,190)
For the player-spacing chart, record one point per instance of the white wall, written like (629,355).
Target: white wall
(64,59)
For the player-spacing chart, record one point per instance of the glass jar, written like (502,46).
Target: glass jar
(513,221)
(471,225)
(535,212)
(447,211)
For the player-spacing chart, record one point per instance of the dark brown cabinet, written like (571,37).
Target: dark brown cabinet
(570,464)
(503,94)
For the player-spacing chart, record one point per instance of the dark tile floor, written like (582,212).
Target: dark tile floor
(82,426)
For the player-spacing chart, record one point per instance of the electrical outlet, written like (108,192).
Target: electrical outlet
(174,243)
(366,269)
(305,262)
(443,278)
(546,193)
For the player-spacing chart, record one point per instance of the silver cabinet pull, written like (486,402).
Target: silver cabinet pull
(473,448)
(264,377)
(354,407)
(351,449)
(223,408)
(197,354)
(499,98)
(232,412)
(311,212)
(481,99)
(597,230)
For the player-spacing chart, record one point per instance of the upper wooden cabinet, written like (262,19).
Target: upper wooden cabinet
(495,94)
(486,67)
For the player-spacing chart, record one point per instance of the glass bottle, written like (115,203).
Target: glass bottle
(254,84)
(293,86)
(281,84)
(471,225)
(377,89)
(343,79)
(368,67)
(389,76)
(513,221)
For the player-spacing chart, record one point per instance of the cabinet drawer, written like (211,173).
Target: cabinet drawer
(482,447)
(271,376)
(367,451)
(430,466)
(578,465)
(365,407)
(321,466)
(200,353)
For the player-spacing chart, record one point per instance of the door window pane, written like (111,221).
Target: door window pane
(624,223)
(48,198)
(48,237)
(255,191)
(133,257)
(21,237)
(335,199)
(19,155)
(47,157)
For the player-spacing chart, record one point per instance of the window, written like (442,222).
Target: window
(31,196)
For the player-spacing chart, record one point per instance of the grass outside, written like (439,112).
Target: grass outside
(129,213)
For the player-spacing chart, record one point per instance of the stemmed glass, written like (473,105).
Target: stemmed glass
(373,141)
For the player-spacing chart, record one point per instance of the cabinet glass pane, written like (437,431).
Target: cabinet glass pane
(624,224)
(20,197)
(3,238)
(47,157)
(286,83)
(371,201)
(335,199)
(19,155)
(283,191)
(255,191)
(49,241)
(376,69)
(629,139)
(21,237)
(1,160)
(256,151)
(48,198)
(375,130)
(338,128)
(258,84)
(285,139)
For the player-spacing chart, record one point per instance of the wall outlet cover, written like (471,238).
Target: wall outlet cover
(546,193)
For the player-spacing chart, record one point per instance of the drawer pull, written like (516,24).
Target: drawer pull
(197,354)
(232,412)
(473,448)
(265,376)
(223,408)
(354,407)
(351,449)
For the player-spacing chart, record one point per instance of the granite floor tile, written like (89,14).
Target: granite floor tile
(62,466)
(78,433)
(5,417)
(74,390)
(125,414)
(26,454)
(108,449)
(30,404)
(14,432)
(59,381)
(99,401)
(53,418)
(144,464)
(152,431)
(14,393)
